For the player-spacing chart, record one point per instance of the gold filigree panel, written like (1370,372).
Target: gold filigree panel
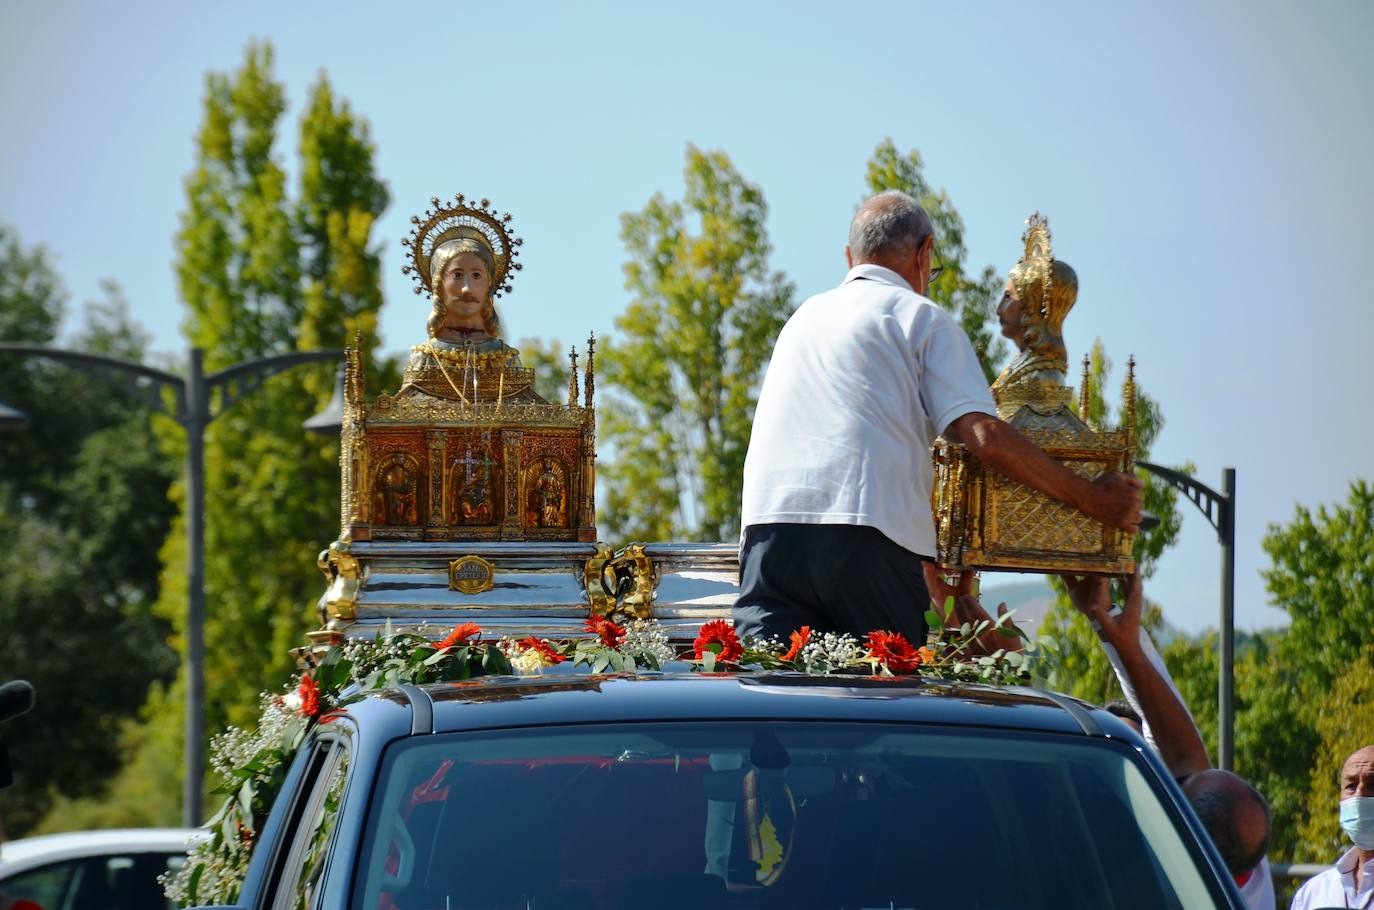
(1026,519)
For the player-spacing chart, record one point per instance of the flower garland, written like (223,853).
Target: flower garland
(252,765)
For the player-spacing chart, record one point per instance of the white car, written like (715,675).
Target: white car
(115,869)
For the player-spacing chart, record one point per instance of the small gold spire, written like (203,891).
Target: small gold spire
(572,376)
(1128,403)
(1083,392)
(591,367)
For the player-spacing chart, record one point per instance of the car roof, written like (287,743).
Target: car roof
(31,852)
(561,698)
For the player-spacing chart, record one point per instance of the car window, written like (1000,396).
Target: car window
(771,815)
(309,848)
(117,881)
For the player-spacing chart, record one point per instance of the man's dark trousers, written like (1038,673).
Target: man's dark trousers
(831,577)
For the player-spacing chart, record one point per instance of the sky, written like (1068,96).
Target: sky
(1205,169)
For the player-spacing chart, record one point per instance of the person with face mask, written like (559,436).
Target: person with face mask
(1349,883)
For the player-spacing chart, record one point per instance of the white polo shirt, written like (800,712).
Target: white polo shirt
(862,379)
(1336,886)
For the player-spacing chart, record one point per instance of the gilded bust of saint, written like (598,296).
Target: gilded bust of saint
(463,256)
(1040,292)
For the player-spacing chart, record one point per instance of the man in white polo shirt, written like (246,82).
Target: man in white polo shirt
(837,481)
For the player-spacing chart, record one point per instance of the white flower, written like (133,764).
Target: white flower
(829,651)
(647,643)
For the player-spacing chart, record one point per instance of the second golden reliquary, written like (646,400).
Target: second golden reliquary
(986,521)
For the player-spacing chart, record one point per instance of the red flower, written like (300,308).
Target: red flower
(611,634)
(892,649)
(543,649)
(799,640)
(309,695)
(459,635)
(718,632)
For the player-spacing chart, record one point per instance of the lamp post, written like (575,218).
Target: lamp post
(1220,511)
(195,400)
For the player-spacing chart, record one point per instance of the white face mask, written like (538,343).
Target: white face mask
(1357,820)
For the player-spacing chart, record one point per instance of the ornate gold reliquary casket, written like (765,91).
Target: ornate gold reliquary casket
(985,521)
(426,467)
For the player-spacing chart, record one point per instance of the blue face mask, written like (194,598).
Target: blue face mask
(1357,820)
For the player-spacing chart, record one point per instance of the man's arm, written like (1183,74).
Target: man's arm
(1176,736)
(1113,499)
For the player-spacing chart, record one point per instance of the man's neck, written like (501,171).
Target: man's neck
(1361,857)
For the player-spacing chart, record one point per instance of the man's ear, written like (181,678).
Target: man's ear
(848,257)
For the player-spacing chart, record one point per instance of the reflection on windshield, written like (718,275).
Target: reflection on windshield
(768,815)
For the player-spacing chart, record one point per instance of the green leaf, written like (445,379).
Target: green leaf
(933,621)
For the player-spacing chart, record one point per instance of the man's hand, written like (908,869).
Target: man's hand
(1091,595)
(969,609)
(1118,501)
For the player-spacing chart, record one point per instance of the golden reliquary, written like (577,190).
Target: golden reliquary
(466,449)
(985,521)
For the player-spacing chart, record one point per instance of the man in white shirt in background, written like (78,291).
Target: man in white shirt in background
(1234,813)
(1349,883)
(837,481)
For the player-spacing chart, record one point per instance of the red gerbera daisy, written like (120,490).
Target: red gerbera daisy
(799,640)
(893,650)
(309,694)
(459,635)
(543,649)
(611,634)
(719,632)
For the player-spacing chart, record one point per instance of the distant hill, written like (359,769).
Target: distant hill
(1032,599)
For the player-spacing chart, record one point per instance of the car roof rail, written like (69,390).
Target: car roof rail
(421,709)
(1071,706)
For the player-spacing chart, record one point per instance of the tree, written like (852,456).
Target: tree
(682,378)
(972,300)
(262,275)
(1323,578)
(82,491)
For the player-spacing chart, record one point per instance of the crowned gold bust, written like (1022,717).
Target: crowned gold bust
(1039,293)
(463,254)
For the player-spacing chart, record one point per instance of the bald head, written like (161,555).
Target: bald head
(888,228)
(1357,774)
(1235,814)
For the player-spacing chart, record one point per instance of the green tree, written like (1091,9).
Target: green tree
(972,299)
(682,376)
(549,360)
(263,274)
(1083,669)
(82,491)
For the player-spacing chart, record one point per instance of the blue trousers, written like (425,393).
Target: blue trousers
(833,578)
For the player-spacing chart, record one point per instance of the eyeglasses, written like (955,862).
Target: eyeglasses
(937,264)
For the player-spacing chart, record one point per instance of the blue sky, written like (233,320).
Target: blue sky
(1205,168)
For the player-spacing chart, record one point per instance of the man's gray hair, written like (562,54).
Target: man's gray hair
(889,226)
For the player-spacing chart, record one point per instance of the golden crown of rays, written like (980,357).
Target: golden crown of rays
(461,218)
(1039,251)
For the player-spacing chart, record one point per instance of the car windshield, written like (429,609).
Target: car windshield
(770,815)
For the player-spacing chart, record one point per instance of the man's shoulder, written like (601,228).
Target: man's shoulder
(1324,881)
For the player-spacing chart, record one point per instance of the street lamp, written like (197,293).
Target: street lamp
(193,402)
(1220,511)
(329,422)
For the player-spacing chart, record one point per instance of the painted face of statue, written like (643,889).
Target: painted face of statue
(465,286)
(1009,314)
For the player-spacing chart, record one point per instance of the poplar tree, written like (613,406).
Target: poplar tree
(682,376)
(261,274)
